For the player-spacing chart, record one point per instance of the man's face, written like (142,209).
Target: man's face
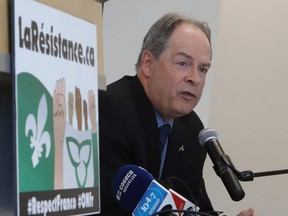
(177,78)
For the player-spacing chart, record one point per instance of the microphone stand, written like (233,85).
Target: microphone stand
(248,175)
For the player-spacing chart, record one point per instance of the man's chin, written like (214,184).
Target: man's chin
(183,112)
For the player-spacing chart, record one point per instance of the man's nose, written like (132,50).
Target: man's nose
(193,77)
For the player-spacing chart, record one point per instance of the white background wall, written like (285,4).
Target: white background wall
(250,100)
(246,94)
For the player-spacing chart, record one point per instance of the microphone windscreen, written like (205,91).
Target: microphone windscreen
(129,185)
(207,134)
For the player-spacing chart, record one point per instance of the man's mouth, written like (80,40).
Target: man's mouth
(188,95)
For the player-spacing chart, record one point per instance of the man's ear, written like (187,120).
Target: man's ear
(147,62)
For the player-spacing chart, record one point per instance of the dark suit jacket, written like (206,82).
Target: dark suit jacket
(129,135)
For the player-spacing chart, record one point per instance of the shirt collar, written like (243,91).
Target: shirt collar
(161,121)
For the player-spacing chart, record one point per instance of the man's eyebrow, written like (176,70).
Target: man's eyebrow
(206,64)
(183,54)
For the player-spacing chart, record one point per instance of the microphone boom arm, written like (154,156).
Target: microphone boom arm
(248,175)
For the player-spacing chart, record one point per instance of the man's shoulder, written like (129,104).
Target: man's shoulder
(125,80)
(119,89)
(190,120)
(118,86)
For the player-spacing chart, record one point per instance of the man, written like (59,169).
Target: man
(170,76)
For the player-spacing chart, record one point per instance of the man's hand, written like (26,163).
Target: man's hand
(248,212)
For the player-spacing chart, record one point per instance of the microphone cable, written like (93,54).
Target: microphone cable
(186,213)
(173,181)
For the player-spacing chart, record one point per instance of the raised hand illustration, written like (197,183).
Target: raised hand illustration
(85,114)
(92,110)
(70,107)
(78,104)
(59,121)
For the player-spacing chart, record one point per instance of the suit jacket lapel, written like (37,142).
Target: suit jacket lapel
(148,120)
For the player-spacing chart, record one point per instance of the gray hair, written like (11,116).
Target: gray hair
(157,37)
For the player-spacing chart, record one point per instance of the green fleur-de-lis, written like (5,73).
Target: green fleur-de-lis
(79,154)
(38,137)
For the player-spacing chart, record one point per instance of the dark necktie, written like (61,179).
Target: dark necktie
(164,133)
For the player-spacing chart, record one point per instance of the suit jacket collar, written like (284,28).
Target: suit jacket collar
(149,123)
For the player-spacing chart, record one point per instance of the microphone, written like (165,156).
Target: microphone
(137,191)
(222,163)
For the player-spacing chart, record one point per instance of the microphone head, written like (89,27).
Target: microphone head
(129,185)
(207,134)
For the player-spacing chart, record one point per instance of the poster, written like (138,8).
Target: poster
(56,112)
